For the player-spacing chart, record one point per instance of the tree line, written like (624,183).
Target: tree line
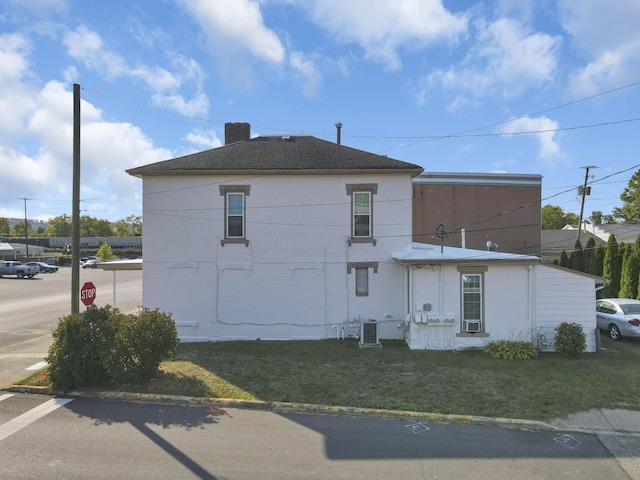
(62,226)
(617,262)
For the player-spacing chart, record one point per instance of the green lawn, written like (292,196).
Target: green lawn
(338,372)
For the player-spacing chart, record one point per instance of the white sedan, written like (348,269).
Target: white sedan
(619,317)
(91,263)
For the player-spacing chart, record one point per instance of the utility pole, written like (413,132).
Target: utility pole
(584,191)
(26,227)
(75,219)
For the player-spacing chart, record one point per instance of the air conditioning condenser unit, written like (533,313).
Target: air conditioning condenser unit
(369,334)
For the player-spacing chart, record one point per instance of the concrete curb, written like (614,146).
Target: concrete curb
(284,407)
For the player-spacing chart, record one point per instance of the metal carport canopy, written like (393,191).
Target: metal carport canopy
(115,265)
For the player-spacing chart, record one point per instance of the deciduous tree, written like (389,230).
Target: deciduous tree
(5,227)
(630,210)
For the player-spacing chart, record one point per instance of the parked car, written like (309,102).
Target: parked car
(21,270)
(44,267)
(619,317)
(91,263)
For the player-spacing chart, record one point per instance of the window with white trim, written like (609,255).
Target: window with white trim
(362,212)
(234,213)
(472,299)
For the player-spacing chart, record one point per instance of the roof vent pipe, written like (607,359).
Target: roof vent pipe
(338,127)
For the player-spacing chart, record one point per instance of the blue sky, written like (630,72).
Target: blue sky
(513,86)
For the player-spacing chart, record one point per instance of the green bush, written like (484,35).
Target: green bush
(511,350)
(143,342)
(570,340)
(81,345)
(104,346)
(63,260)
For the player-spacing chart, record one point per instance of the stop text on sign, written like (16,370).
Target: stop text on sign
(88,293)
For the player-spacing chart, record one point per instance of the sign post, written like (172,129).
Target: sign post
(88,293)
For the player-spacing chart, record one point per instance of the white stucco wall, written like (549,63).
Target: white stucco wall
(291,281)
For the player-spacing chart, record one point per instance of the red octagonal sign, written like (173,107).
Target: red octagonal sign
(88,293)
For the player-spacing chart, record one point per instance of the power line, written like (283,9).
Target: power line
(425,138)
(540,201)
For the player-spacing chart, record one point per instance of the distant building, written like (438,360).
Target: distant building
(6,251)
(479,210)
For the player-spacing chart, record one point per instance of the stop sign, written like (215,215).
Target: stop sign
(88,293)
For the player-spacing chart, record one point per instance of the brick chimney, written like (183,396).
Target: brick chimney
(236,132)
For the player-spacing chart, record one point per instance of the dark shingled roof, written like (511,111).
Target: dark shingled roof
(278,155)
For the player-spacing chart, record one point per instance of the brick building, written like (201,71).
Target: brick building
(479,208)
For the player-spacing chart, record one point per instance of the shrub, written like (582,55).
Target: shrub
(63,260)
(143,342)
(570,340)
(81,342)
(511,350)
(103,346)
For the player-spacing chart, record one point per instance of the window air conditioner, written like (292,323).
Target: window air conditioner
(471,325)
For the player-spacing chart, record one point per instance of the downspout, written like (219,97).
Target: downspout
(441,292)
(531,303)
(409,298)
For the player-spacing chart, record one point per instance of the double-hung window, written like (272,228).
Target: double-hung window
(362,212)
(235,209)
(235,215)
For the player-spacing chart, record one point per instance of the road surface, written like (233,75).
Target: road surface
(30,310)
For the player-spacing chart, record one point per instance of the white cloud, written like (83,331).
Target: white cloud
(204,139)
(16,97)
(198,105)
(382,28)
(108,148)
(87,47)
(609,40)
(236,26)
(548,147)
(506,60)
(306,73)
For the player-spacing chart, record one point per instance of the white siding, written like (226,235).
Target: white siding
(506,307)
(563,296)
(291,281)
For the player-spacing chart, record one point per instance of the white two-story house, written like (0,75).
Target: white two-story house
(293,237)
(276,237)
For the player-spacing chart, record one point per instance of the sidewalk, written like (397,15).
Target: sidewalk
(618,430)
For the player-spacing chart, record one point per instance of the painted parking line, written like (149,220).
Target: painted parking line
(5,396)
(37,366)
(27,418)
